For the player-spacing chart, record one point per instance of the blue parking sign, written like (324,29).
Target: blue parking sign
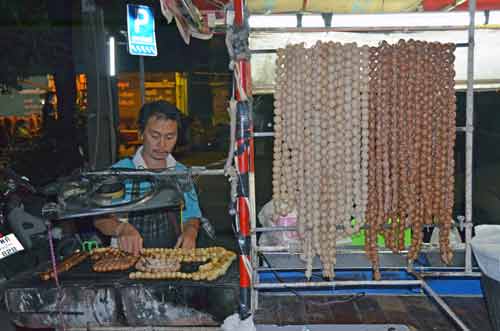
(141,30)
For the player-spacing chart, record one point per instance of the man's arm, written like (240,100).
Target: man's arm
(107,225)
(187,239)
(129,239)
(190,221)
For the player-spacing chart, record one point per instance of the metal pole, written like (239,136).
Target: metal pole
(443,305)
(353,249)
(388,29)
(341,283)
(141,79)
(143,328)
(191,171)
(338,250)
(273,50)
(271,134)
(338,226)
(420,271)
(469,137)
(449,274)
(263,134)
(245,166)
(253,224)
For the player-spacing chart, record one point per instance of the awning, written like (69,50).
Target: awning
(486,64)
(367,6)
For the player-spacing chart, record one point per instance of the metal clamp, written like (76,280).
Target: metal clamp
(461,222)
(51,211)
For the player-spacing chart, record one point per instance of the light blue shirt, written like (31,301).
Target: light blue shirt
(191,205)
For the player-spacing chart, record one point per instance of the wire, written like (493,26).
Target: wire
(304,298)
(242,187)
(230,50)
(58,298)
(243,95)
(248,266)
(278,276)
(246,261)
(232,120)
(216,3)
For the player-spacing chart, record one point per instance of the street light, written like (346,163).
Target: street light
(112,58)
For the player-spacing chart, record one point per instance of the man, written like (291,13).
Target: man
(158,128)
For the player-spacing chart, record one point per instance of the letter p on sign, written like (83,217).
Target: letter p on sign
(142,19)
(141,31)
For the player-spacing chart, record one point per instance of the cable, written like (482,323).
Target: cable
(56,276)
(248,266)
(216,3)
(243,95)
(304,298)
(232,131)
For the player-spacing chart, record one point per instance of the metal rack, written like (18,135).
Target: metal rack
(418,273)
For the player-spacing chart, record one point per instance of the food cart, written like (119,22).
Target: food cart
(271,286)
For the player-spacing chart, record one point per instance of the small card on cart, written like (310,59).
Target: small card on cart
(9,245)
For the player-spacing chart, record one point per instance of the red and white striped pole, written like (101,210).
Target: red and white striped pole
(245,165)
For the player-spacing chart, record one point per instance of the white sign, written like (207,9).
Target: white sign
(9,245)
(141,30)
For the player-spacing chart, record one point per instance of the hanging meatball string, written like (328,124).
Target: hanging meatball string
(364,134)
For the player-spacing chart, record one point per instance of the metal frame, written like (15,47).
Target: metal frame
(468,130)
(141,328)
(420,282)
(195,171)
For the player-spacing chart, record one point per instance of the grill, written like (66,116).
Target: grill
(87,298)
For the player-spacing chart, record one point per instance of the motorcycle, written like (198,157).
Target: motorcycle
(23,233)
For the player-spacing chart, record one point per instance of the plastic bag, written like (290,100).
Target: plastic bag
(277,238)
(455,238)
(285,238)
(486,248)
(233,323)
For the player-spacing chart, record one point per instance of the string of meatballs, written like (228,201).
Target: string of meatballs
(364,139)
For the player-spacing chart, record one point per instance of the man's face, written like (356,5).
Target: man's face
(160,136)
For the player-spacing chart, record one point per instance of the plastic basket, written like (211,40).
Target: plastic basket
(358,239)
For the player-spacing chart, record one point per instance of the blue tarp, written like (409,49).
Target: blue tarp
(446,286)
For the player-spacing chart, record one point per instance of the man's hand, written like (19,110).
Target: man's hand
(129,239)
(187,240)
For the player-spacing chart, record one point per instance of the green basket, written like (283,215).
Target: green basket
(89,245)
(358,239)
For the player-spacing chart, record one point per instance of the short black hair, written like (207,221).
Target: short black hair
(160,109)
